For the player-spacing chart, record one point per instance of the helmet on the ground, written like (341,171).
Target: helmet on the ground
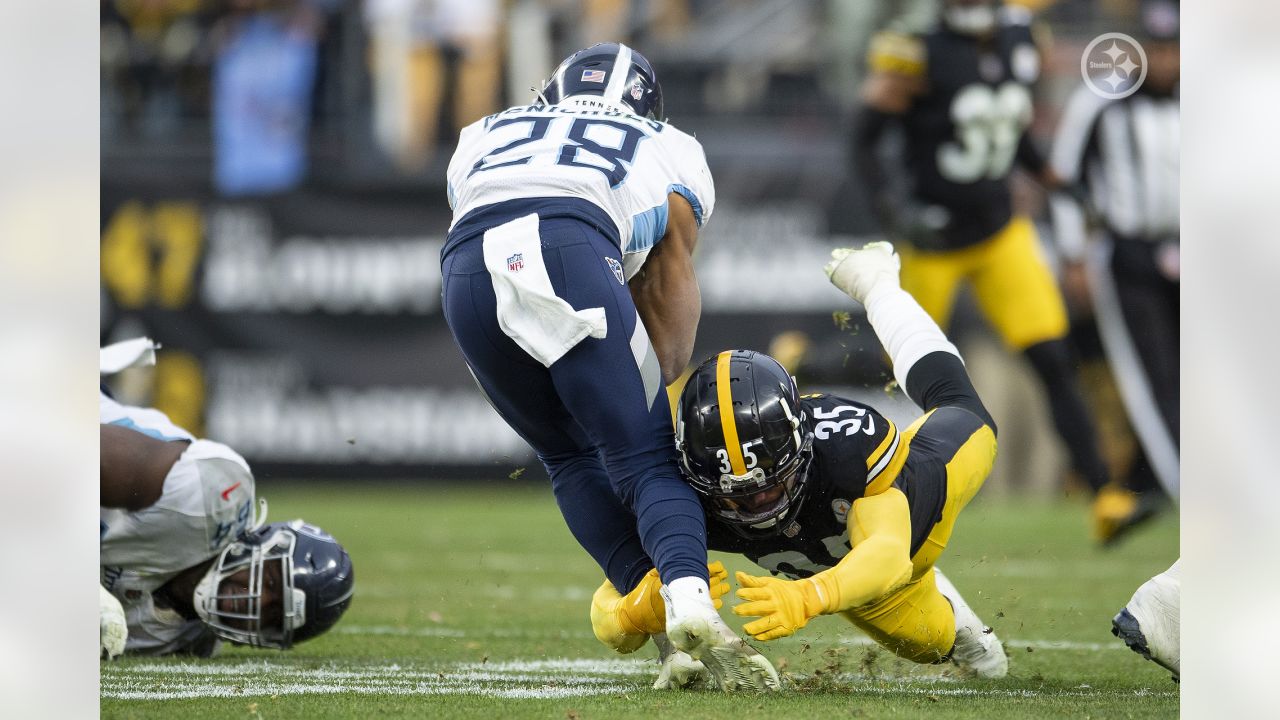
(742,443)
(620,77)
(276,585)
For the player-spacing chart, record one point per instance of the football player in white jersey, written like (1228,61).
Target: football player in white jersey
(569,287)
(183,563)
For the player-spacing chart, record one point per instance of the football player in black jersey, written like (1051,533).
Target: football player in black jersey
(846,511)
(961,94)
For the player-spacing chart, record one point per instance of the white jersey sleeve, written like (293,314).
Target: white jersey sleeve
(147,421)
(206,502)
(622,163)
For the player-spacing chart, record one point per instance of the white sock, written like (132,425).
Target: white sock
(689,596)
(965,616)
(905,330)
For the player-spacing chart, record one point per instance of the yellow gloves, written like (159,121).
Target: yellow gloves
(625,623)
(783,606)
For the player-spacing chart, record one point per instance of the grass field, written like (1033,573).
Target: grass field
(471,601)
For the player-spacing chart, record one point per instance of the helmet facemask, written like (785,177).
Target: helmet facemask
(758,503)
(248,594)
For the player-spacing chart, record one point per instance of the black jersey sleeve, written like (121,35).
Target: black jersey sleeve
(869,127)
(940,380)
(852,442)
(1030,157)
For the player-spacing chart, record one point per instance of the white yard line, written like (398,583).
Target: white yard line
(503,633)
(852,639)
(515,679)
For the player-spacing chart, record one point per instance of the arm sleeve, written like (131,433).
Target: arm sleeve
(869,126)
(694,178)
(879,560)
(1030,157)
(456,173)
(898,54)
(1075,134)
(1070,147)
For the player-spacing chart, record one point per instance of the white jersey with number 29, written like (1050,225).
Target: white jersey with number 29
(580,148)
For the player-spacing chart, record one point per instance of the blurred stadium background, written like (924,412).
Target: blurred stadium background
(272,209)
(273,205)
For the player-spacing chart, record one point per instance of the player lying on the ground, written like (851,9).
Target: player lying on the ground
(827,493)
(183,564)
(1150,625)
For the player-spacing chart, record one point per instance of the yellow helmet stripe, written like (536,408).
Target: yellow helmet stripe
(724,396)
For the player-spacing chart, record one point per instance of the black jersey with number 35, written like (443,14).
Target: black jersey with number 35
(852,445)
(962,133)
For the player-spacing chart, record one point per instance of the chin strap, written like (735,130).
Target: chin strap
(206,589)
(537,93)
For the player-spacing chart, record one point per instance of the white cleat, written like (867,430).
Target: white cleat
(977,650)
(1149,624)
(695,628)
(679,671)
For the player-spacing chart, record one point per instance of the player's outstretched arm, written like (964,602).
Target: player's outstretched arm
(666,293)
(925,363)
(878,563)
(132,467)
(896,78)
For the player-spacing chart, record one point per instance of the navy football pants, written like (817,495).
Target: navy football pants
(609,449)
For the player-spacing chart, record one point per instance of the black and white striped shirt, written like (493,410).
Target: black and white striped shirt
(1126,154)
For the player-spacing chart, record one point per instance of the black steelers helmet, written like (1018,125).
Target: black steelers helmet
(742,443)
(613,72)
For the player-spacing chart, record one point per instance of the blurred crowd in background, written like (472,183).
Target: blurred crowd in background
(283,90)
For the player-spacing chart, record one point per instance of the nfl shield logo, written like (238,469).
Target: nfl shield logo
(515,263)
(637,92)
(616,267)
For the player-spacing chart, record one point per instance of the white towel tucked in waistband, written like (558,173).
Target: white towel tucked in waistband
(529,311)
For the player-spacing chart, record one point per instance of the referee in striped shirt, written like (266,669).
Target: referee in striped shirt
(1122,158)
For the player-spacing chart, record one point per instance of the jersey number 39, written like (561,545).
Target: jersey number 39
(989,122)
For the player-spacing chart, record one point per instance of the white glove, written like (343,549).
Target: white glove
(114,631)
(858,272)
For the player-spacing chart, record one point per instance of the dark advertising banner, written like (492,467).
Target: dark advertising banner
(305,330)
